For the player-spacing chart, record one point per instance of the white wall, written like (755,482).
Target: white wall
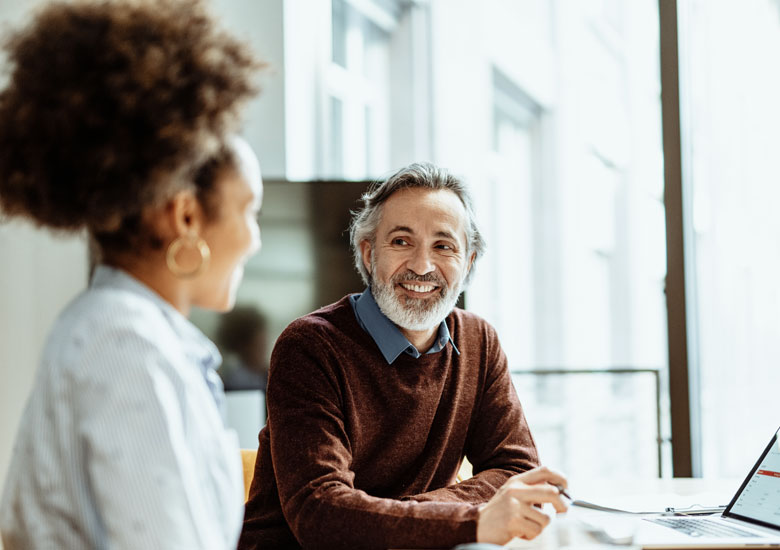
(39,274)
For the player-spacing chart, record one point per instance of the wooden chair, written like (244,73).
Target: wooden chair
(248,457)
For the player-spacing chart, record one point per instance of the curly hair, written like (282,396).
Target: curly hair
(114,106)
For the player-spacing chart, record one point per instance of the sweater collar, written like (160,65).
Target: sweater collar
(391,341)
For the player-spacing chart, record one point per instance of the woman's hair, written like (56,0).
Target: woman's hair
(417,175)
(114,106)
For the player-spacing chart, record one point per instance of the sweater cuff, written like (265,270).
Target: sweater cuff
(471,524)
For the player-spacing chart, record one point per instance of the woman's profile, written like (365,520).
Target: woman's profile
(118,120)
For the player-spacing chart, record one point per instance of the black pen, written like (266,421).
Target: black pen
(563,492)
(692,511)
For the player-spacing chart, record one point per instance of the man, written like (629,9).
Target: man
(374,400)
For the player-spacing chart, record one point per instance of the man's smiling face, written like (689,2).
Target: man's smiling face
(419,258)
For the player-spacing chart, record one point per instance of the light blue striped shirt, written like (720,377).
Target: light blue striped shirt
(122,444)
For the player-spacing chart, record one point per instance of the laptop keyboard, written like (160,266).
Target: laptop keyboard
(702,527)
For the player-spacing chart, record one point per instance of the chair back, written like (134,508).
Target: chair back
(248,457)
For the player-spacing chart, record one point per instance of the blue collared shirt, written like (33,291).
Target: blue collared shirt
(121,444)
(387,335)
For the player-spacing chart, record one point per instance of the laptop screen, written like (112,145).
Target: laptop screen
(758,500)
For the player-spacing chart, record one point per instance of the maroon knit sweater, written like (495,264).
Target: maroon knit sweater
(361,454)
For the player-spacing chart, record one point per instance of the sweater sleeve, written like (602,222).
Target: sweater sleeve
(499,442)
(312,460)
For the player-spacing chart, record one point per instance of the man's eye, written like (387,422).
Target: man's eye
(444,247)
(400,242)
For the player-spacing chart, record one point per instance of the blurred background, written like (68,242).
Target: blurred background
(552,111)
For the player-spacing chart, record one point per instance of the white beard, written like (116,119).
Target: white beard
(415,314)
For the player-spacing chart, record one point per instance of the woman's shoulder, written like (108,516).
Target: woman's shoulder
(103,323)
(100,310)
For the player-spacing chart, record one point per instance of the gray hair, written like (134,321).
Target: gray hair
(417,175)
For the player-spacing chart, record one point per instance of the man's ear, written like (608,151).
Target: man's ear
(471,262)
(365,252)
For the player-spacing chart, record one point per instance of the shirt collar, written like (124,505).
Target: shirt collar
(387,335)
(196,345)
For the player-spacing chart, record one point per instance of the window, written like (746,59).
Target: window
(507,209)
(731,116)
(551,112)
(573,214)
(357,87)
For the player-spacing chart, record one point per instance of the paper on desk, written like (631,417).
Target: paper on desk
(581,528)
(591,528)
(609,525)
(657,503)
(568,532)
(601,508)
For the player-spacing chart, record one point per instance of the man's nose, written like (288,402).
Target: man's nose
(421,262)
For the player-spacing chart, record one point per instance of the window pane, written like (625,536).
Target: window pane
(730,90)
(358,81)
(339,32)
(375,42)
(573,215)
(594,425)
(336,142)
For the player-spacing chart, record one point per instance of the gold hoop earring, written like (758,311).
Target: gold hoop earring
(175,247)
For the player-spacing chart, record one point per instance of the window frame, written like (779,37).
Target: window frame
(681,327)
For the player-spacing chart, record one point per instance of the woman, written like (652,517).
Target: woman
(117,119)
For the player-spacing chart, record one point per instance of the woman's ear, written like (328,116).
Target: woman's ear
(181,215)
(185,214)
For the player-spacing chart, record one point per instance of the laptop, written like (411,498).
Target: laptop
(751,520)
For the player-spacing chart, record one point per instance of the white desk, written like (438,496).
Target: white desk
(566,530)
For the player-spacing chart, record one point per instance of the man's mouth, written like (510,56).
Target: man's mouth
(419,288)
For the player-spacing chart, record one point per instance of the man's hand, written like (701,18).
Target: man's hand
(514,509)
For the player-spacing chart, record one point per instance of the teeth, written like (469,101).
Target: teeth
(418,288)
